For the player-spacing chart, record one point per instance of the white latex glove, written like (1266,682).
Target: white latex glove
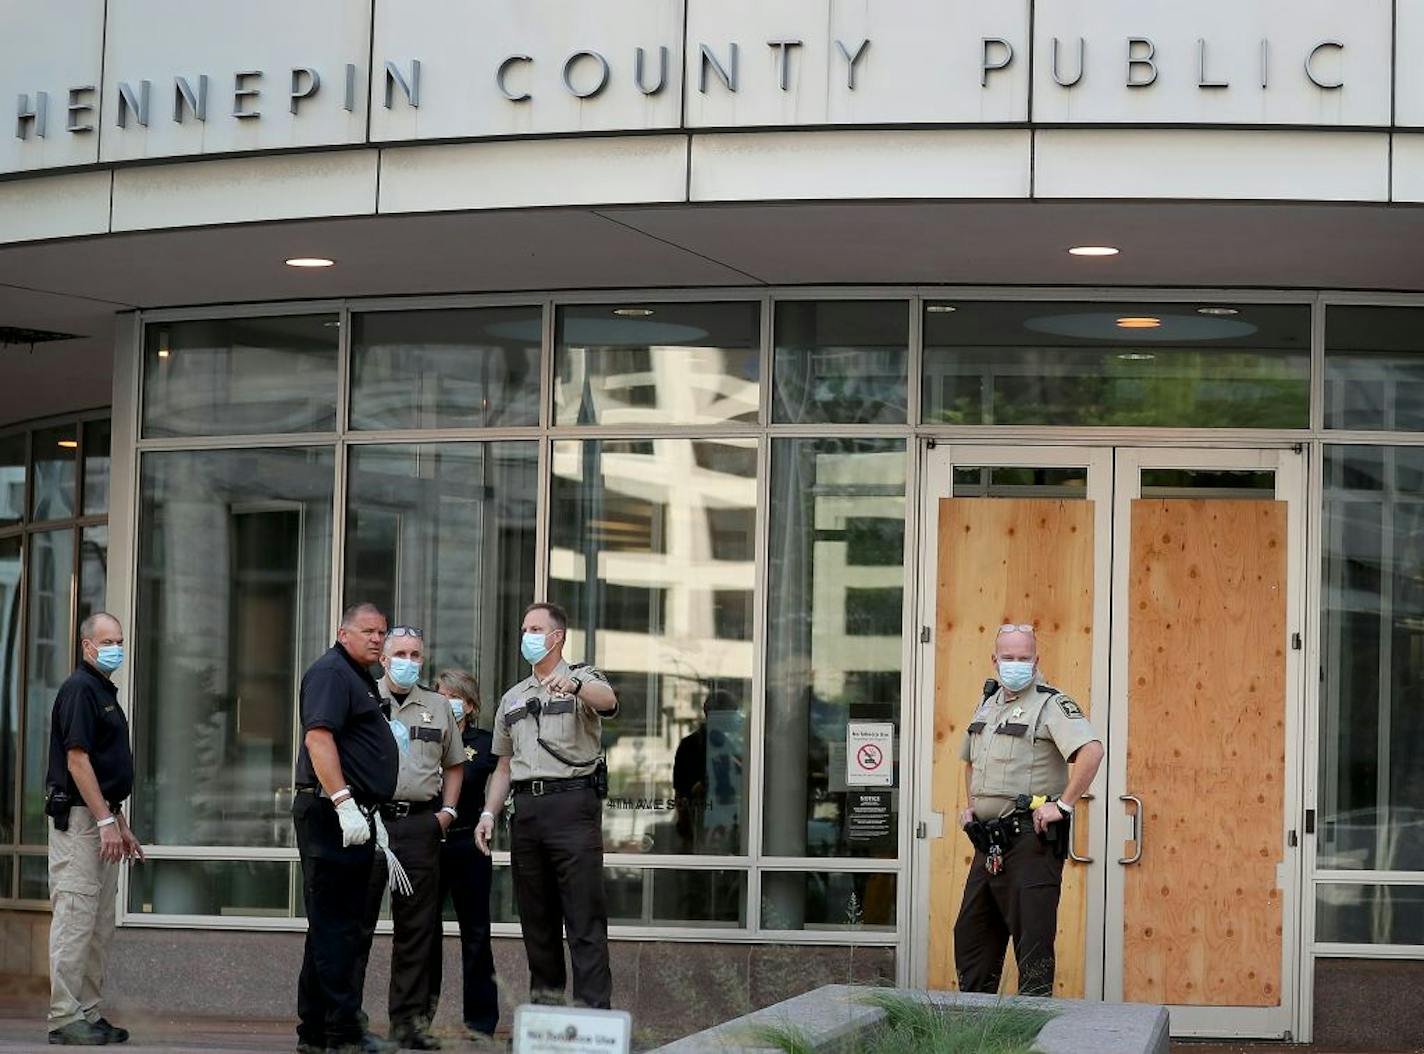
(396,877)
(354,828)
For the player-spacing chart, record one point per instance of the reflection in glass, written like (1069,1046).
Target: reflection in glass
(233,591)
(675,897)
(48,658)
(10,623)
(56,450)
(93,571)
(12,478)
(254,888)
(1374,368)
(1369,914)
(1143,365)
(464,368)
(7,876)
(644,545)
(828,900)
(617,364)
(441,536)
(97,436)
(34,878)
(835,633)
(1015,481)
(240,376)
(1371,768)
(842,361)
(1217,484)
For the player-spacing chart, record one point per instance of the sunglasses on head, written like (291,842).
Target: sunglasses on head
(1009,627)
(406,631)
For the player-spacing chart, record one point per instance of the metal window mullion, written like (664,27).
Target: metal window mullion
(915,364)
(1384,712)
(1317,364)
(22,707)
(909,711)
(767,360)
(256,441)
(755,791)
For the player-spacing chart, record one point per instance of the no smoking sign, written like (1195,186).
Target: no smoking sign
(870,747)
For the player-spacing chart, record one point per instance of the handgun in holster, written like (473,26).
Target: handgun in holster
(57,804)
(1056,837)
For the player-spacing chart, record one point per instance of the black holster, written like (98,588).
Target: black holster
(57,804)
(978,835)
(1058,837)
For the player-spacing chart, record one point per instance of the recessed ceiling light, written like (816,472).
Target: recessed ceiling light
(310,261)
(1220,312)
(633,312)
(163,353)
(69,444)
(1139,322)
(941,309)
(1137,356)
(331,325)
(1093,250)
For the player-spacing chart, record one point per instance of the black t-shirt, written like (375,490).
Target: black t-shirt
(480,761)
(340,695)
(87,715)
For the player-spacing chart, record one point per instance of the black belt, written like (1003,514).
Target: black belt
(539,788)
(398,810)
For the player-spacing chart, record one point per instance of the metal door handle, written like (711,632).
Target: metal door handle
(1136,829)
(1072,849)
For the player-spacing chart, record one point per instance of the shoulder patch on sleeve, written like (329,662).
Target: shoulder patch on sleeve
(1069,708)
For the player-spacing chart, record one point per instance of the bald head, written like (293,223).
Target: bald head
(1015,644)
(100,628)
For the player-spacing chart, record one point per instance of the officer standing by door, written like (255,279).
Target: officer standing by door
(346,767)
(466,873)
(548,737)
(1030,755)
(430,773)
(90,776)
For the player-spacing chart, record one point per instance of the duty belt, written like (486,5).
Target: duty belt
(539,788)
(399,810)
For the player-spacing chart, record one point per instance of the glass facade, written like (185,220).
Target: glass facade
(54,546)
(722,494)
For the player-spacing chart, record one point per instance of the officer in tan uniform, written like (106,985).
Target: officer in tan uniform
(432,771)
(1030,754)
(548,738)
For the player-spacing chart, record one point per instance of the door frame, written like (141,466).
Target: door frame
(936,482)
(1109,826)
(1289,465)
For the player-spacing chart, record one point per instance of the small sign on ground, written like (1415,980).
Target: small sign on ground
(570,1029)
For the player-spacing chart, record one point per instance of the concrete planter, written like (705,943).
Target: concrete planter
(836,1016)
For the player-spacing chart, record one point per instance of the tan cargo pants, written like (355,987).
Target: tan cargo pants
(81,895)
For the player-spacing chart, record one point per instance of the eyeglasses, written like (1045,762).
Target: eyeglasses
(1007,627)
(406,631)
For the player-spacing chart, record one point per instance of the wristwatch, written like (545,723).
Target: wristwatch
(578,685)
(454,815)
(1065,809)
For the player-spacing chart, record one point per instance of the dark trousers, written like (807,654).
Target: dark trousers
(465,874)
(1020,902)
(334,881)
(415,840)
(556,849)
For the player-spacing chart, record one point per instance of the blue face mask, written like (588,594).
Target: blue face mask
(109,658)
(457,707)
(534,646)
(1015,674)
(404,672)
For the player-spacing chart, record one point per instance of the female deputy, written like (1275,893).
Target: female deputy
(465,872)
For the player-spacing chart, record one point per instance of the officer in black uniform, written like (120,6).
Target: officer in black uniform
(548,736)
(465,872)
(1030,755)
(347,766)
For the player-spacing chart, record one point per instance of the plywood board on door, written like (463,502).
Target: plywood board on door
(1005,560)
(1202,912)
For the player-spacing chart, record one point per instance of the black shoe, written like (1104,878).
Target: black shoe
(310,1048)
(79,1034)
(370,1043)
(414,1039)
(116,1034)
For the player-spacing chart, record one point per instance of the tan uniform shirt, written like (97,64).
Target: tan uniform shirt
(434,744)
(567,723)
(1021,745)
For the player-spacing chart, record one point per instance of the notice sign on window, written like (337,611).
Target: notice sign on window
(570,1030)
(870,749)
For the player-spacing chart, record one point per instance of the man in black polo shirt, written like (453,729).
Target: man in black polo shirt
(347,766)
(90,775)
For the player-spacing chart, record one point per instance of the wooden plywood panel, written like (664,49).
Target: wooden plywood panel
(1005,560)
(1206,751)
